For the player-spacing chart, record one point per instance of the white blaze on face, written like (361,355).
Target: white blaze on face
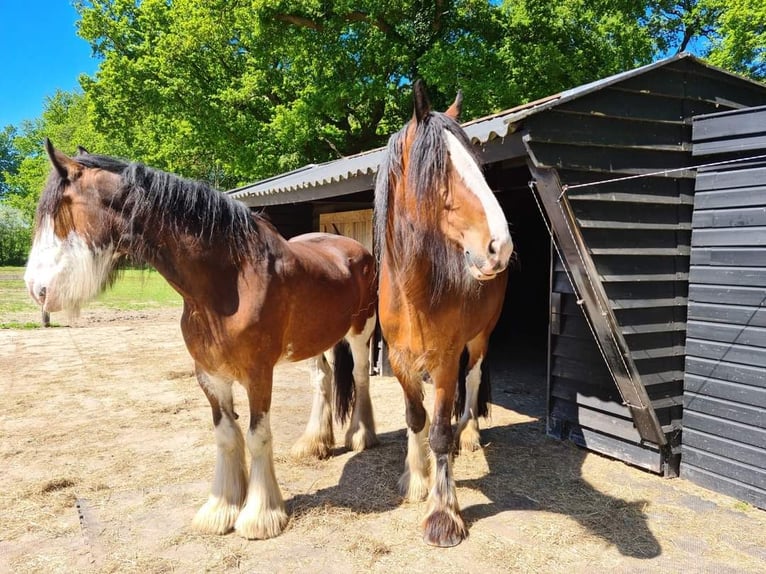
(65,273)
(471,174)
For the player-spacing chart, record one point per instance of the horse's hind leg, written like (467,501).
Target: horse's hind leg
(469,438)
(219,513)
(361,431)
(263,515)
(317,440)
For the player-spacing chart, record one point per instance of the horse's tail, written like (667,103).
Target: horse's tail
(485,388)
(343,376)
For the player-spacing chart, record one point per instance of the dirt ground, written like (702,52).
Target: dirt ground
(107,451)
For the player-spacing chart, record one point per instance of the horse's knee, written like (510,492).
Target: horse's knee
(415,415)
(440,436)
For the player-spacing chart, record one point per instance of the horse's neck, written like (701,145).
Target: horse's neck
(203,268)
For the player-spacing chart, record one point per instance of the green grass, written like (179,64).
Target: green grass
(135,289)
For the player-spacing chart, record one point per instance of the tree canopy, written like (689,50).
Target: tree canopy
(236,91)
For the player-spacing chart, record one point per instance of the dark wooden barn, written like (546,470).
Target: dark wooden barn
(724,440)
(601,308)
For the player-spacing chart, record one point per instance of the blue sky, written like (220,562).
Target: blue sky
(41,53)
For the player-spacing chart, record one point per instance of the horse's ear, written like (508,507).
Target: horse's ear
(457,106)
(81,151)
(65,166)
(422,105)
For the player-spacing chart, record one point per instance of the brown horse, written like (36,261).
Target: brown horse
(444,246)
(251,300)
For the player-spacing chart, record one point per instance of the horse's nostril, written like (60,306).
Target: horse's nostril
(41,293)
(492,247)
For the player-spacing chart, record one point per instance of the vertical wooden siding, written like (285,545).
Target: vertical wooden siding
(724,441)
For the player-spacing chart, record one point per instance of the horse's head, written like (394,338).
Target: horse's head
(447,188)
(75,243)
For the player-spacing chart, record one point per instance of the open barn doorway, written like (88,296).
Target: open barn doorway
(518,354)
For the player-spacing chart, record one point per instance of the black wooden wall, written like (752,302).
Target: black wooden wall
(638,235)
(724,439)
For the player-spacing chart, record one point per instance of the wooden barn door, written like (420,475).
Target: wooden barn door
(355,224)
(358,225)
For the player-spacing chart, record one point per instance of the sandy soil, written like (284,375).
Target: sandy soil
(107,451)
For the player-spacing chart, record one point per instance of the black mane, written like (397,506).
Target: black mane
(149,198)
(417,237)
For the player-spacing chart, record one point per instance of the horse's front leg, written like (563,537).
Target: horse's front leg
(219,513)
(415,481)
(361,431)
(317,440)
(443,525)
(264,513)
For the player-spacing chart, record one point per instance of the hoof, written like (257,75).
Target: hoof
(215,517)
(413,487)
(311,448)
(262,525)
(469,439)
(444,529)
(361,439)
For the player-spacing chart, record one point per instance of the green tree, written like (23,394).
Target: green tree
(729,33)
(741,42)
(15,236)
(236,91)
(10,158)
(66,121)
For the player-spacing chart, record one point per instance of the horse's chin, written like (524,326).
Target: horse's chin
(479,275)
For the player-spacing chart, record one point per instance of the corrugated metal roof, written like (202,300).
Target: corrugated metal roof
(356,172)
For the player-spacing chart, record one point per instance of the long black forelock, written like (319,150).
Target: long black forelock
(426,176)
(177,206)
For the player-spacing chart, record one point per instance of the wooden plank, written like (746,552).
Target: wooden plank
(738,236)
(586,372)
(686,78)
(729,125)
(726,390)
(721,180)
(731,314)
(724,275)
(726,429)
(648,320)
(726,467)
(615,103)
(610,159)
(754,195)
(724,371)
(627,238)
(642,456)
(661,267)
(602,213)
(726,351)
(725,410)
(563,125)
(595,420)
(722,332)
(729,256)
(733,217)
(712,481)
(727,448)
(754,144)
(727,294)
(603,401)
